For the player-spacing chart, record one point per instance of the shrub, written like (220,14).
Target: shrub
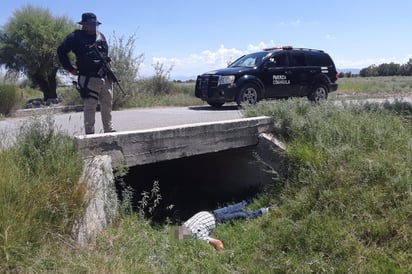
(126,67)
(69,96)
(159,84)
(9,99)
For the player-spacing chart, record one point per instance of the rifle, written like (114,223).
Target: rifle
(107,69)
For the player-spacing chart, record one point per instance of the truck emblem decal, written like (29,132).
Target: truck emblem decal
(280,80)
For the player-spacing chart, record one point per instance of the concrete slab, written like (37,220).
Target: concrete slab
(131,148)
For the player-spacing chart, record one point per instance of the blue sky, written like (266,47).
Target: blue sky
(197,36)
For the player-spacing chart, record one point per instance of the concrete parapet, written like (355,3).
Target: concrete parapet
(141,147)
(101,199)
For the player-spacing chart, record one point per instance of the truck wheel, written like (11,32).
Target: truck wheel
(320,92)
(248,95)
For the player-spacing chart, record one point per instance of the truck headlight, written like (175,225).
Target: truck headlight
(226,80)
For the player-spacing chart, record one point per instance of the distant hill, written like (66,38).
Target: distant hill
(352,70)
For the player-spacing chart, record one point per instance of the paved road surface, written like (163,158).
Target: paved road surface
(146,118)
(135,119)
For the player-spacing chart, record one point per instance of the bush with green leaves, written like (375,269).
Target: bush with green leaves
(9,99)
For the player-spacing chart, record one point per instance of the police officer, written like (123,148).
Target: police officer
(90,46)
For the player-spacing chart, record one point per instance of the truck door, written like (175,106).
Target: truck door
(276,76)
(300,74)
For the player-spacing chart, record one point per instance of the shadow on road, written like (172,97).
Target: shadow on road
(210,108)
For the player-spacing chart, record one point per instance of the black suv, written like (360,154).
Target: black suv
(279,72)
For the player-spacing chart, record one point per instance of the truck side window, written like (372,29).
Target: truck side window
(297,60)
(279,60)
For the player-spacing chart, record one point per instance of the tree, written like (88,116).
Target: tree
(406,69)
(370,71)
(385,69)
(390,69)
(28,44)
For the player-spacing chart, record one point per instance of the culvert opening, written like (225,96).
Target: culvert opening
(192,184)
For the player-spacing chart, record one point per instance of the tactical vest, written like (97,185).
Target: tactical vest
(88,60)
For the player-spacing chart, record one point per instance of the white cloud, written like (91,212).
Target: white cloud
(197,63)
(291,23)
(260,46)
(330,37)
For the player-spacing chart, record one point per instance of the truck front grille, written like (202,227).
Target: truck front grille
(206,85)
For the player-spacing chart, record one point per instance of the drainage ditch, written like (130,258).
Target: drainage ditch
(204,182)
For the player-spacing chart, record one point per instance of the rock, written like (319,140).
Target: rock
(34,103)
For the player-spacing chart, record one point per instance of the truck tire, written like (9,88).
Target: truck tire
(319,93)
(248,95)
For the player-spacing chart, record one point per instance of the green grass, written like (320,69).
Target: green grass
(179,94)
(175,99)
(40,196)
(375,86)
(349,184)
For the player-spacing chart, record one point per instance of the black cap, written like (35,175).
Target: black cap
(89,18)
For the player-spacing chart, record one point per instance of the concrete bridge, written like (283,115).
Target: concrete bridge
(132,148)
(103,152)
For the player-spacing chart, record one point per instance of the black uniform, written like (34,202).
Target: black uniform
(87,60)
(94,84)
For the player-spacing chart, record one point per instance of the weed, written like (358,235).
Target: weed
(149,201)
(40,195)
(126,191)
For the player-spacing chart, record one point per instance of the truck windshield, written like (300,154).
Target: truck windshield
(251,60)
